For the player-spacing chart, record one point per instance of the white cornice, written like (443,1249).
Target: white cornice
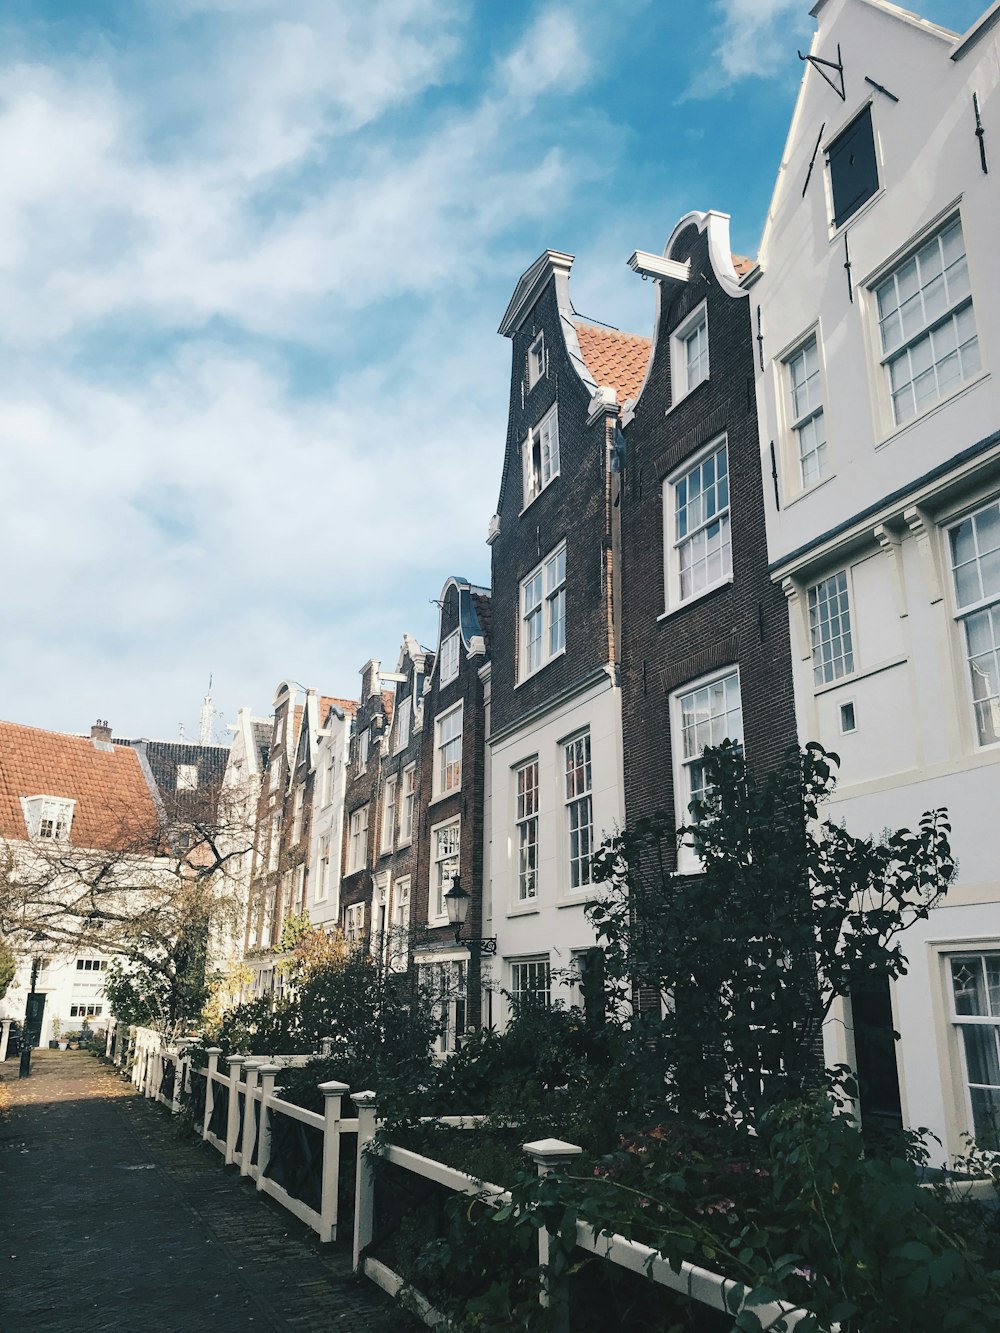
(530,286)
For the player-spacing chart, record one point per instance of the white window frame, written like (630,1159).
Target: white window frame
(676,542)
(974,960)
(354,923)
(299,889)
(48,818)
(684,378)
(540,457)
(364,747)
(445,983)
(805,415)
(686,765)
(523,969)
(389,803)
(578,806)
(399,929)
(542,606)
(357,848)
(448,772)
(187,777)
(536,359)
(404,718)
(329,774)
(931,328)
(408,805)
(527,800)
(298,804)
(323,880)
(985,612)
(444,865)
(828,669)
(448,659)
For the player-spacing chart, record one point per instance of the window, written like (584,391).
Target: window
(354,923)
(540,456)
(445,985)
(389,813)
(848,721)
(409,801)
(536,360)
(853,167)
(404,714)
(274,844)
(530,982)
(689,353)
(358,840)
(926,325)
(805,392)
(975,563)
(696,519)
(48,817)
(364,742)
(86,1010)
(704,716)
(329,769)
(399,941)
(323,884)
(579,809)
(526,778)
(444,864)
(448,752)
(187,777)
(543,612)
(91,965)
(297,814)
(449,658)
(299,889)
(830,629)
(975,989)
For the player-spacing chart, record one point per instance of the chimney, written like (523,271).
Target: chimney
(101,731)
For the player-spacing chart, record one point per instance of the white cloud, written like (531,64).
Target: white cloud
(752,39)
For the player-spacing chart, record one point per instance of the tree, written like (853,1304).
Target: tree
(789,914)
(156,896)
(8,967)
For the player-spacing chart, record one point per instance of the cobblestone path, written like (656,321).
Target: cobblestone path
(111,1220)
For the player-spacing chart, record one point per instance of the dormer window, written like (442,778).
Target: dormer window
(541,456)
(449,658)
(536,361)
(853,167)
(187,777)
(48,817)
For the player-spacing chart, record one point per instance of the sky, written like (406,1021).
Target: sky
(253,257)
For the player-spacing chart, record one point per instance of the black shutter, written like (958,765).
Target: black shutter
(853,168)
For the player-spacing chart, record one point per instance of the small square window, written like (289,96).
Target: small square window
(853,167)
(536,360)
(848,722)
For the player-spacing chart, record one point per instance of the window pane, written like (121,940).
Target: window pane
(830,629)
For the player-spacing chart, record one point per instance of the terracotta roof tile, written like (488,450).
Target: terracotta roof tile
(388,703)
(614,358)
(742,265)
(328,701)
(114,808)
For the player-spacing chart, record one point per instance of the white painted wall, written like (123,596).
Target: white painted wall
(328,818)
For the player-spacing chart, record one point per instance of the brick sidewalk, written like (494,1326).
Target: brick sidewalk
(110,1220)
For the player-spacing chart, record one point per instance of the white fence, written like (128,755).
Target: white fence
(294,1155)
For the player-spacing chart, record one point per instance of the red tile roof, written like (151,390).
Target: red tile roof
(326,702)
(114,808)
(388,703)
(614,358)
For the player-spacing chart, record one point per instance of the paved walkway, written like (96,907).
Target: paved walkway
(111,1220)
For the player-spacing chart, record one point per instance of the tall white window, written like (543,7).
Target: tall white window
(357,846)
(805,391)
(543,612)
(409,802)
(323,881)
(699,552)
(540,456)
(389,814)
(297,805)
(530,981)
(364,745)
(536,360)
(526,781)
(445,839)
(399,934)
(448,661)
(579,809)
(354,923)
(706,715)
(689,353)
(830,629)
(975,990)
(926,325)
(299,889)
(404,715)
(448,752)
(975,563)
(274,843)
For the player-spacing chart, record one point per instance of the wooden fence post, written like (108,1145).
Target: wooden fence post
(268,1073)
(213,1054)
(333,1093)
(364,1192)
(4,1036)
(252,1068)
(552,1155)
(235,1063)
(109,1038)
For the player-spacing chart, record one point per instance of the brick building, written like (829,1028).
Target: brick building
(705,650)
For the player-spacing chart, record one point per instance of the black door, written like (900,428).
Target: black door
(33,1014)
(878,1076)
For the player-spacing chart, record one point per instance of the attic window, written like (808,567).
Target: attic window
(48,817)
(187,777)
(536,360)
(541,456)
(853,167)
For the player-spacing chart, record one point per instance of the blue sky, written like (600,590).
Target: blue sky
(253,255)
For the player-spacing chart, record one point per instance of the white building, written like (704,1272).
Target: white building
(333,749)
(875,301)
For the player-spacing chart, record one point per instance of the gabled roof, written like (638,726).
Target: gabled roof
(328,701)
(613,358)
(113,807)
(530,285)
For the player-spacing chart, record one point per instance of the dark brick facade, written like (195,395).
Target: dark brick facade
(364,788)
(742,623)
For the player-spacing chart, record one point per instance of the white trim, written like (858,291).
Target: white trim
(453,860)
(673,600)
(440,790)
(680,385)
(688,861)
